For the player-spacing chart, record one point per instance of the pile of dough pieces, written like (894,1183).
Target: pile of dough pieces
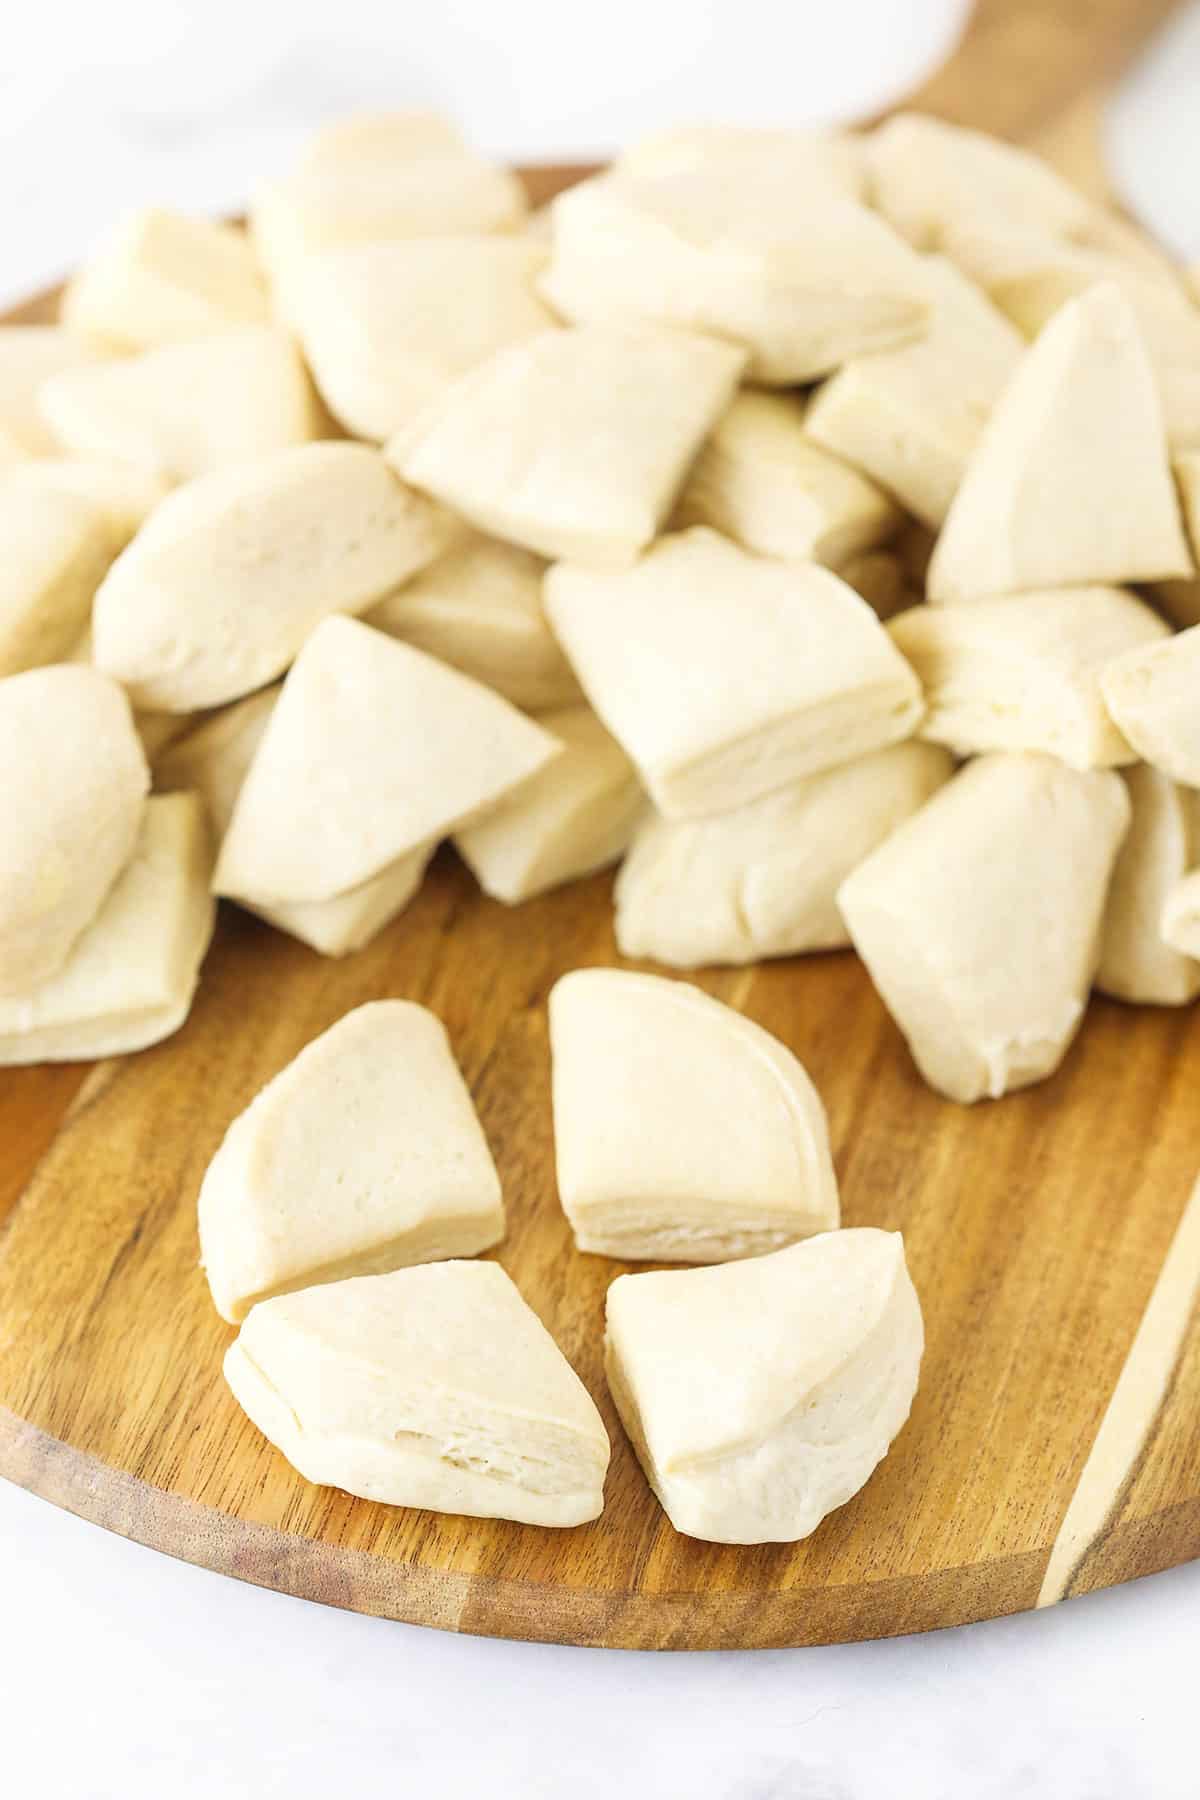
(340,1213)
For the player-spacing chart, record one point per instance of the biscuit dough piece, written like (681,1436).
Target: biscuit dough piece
(230,575)
(576,442)
(1181,915)
(1136,961)
(762,481)
(762,880)
(479,608)
(29,356)
(574,816)
(378,137)
(801,275)
(762,1395)
(683,1132)
(979,919)
(434,1386)
(129,978)
(162,277)
(1023,672)
(387,327)
(184,409)
(123,495)
(54,550)
(74,797)
(832,158)
(363,1155)
(1153,693)
(372,750)
(1056,495)
(723,675)
(911,417)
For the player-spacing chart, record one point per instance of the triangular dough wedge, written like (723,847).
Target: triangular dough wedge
(979,919)
(762,1395)
(54,551)
(479,608)
(161,277)
(574,816)
(75,789)
(387,327)
(185,409)
(830,158)
(911,417)
(1181,915)
(363,1155)
(1070,482)
(435,1386)
(1023,672)
(129,979)
(29,356)
(225,582)
(762,880)
(724,675)
(803,276)
(1154,695)
(377,137)
(372,750)
(123,495)
(1136,961)
(683,1132)
(575,443)
(762,481)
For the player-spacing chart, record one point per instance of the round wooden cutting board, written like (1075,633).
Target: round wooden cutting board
(1053,1446)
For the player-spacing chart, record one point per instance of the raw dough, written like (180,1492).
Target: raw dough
(724,675)
(762,1395)
(161,277)
(373,749)
(185,409)
(435,1386)
(227,579)
(831,158)
(1023,672)
(1136,962)
(801,275)
(129,979)
(574,443)
(29,356)
(74,797)
(387,327)
(1154,696)
(1070,482)
(479,608)
(364,1154)
(762,481)
(683,1132)
(54,550)
(762,880)
(979,918)
(910,418)
(574,816)
(379,137)
(1181,915)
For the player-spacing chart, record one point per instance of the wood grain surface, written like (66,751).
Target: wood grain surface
(1053,1444)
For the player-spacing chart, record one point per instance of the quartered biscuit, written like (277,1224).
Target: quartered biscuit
(69,823)
(725,675)
(378,137)
(1136,960)
(979,919)
(387,327)
(1023,672)
(762,880)
(834,158)
(800,274)
(129,977)
(372,750)
(184,409)
(161,277)
(363,1155)
(55,548)
(227,579)
(479,608)
(434,1386)
(762,1395)
(683,1132)
(29,356)
(1181,915)
(576,815)
(1070,482)
(1153,693)
(576,442)
(762,481)
(911,417)
(122,494)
